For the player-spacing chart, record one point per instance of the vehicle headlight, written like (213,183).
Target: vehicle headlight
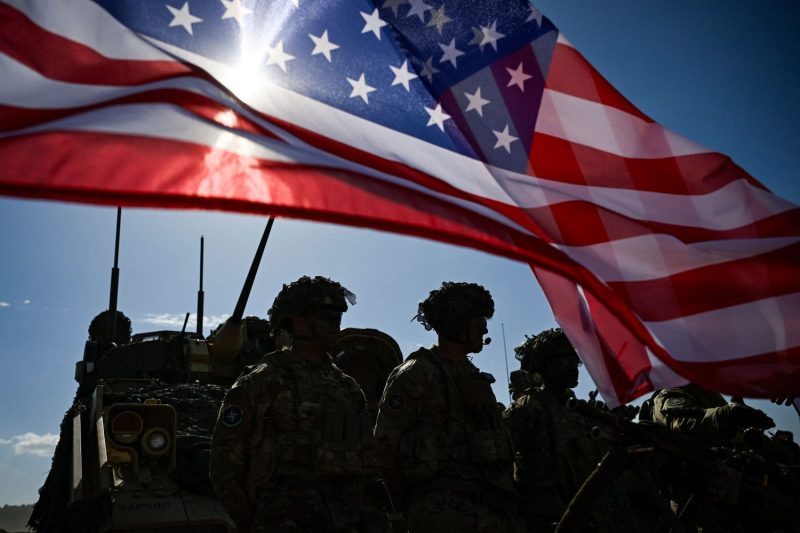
(156,441)
(126,427)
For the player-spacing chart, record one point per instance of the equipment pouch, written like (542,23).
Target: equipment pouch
(421,453)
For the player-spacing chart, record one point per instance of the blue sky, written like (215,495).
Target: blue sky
(724,74)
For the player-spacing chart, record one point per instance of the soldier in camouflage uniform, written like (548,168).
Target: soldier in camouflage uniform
(554,451)
(706,414)
(293,441)
(708,502)
(442,447)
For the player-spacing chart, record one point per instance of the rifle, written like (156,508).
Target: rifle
(723,475)
(627,442)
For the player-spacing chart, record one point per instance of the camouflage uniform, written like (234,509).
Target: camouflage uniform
(554,450)
(712,499)
(521,380)
(706,414)
(443,449)
(440,434)
(293,445)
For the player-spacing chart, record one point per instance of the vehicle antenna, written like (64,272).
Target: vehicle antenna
(505,356)
(200,293)
(112,300)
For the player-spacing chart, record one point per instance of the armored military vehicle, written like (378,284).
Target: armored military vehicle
(133,450)
(134,446)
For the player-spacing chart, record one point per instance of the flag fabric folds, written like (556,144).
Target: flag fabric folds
(475,123)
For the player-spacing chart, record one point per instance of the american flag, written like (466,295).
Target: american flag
(475,123)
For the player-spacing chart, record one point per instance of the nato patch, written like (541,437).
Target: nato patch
(396,402)
(231,415)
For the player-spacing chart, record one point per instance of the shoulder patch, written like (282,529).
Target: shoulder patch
(675,403)
(395,402)
(232,415)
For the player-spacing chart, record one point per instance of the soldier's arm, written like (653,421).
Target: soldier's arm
(398,413)
(521,418)
(533,476)
(679,411)
(366,423)
(230,447)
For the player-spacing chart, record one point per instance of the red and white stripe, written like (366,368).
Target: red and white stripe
(672,262)
(704,260)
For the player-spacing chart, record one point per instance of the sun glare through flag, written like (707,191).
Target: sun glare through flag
(474,123)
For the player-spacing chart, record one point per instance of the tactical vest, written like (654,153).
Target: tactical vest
(314,429)
(474,434)
(567,452)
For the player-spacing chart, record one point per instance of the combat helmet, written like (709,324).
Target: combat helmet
(304,295)
(99,330)
(447,308)
(533,352)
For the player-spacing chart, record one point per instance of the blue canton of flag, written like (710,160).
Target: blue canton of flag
(467,76)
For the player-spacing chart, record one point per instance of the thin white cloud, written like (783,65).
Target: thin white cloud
(163,319)
(33,444)
(26,302)
(216,320)
(175,321)
(5,304)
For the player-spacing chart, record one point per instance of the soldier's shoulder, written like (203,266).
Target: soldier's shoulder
(347,380)
(418,365)
(671,392)
(415,375)
(532,398)
(255,374)
(269,370)
(673,398)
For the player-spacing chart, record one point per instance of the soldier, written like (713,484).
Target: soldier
(293,442)
(705,414)
(712,501)
(100,330)
(554,451)
(442,447)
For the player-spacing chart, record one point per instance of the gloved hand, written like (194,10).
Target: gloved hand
(748,417)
